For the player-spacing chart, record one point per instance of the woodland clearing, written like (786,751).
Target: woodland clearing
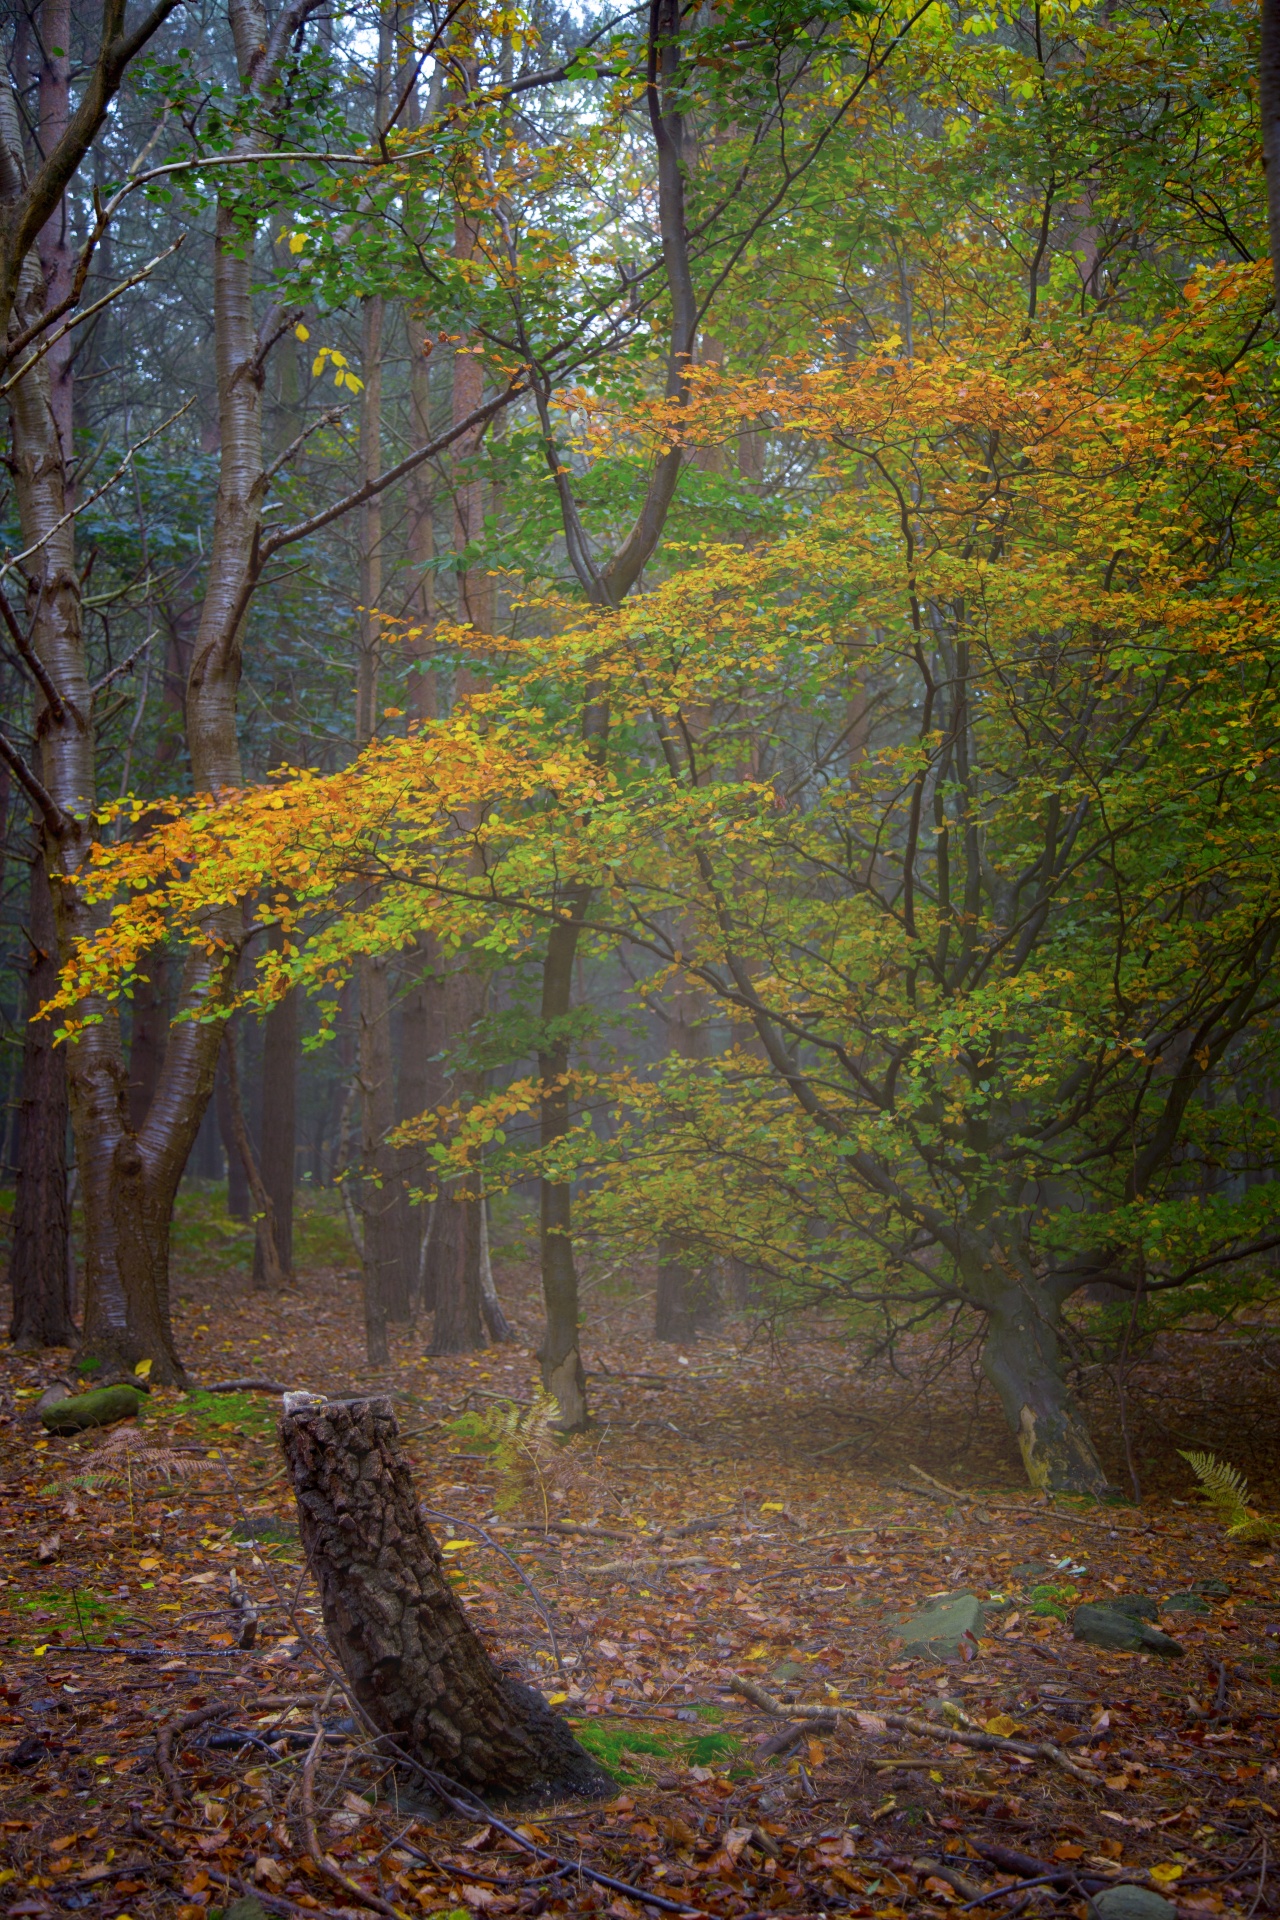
(151,1765)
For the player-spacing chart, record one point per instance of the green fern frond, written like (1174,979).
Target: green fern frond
(1227,1491)
(1224,1487)
(1250,1531)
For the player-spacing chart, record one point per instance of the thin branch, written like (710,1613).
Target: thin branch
(32,661)
(50,812)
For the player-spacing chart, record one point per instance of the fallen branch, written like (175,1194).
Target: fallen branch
(327,1868)
(907,1723)
(244,1386)
(945,1870)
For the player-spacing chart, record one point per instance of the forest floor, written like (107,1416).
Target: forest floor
(149,1765)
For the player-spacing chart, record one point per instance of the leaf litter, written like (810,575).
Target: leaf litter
(709,1585)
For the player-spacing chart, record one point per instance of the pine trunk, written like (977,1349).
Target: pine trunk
(39,1267)
(278,1150)
(415,1664)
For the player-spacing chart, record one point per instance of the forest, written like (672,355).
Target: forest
(639,976)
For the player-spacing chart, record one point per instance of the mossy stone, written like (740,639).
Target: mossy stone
(101,1408)
(938,1630)
(1117,1631)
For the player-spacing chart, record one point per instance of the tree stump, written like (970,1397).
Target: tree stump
(413,1659)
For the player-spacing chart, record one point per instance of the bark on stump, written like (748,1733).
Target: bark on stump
(415,1663)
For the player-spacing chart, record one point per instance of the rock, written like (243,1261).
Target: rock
(1029,1573)
(98,1409)
(248,1908)
(1130,1903)
(937,1631)
(1139,1605)
(1214,1589)
(1121,1632)
(1186,1603)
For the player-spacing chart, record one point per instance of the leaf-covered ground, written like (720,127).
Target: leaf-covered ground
(743,1511)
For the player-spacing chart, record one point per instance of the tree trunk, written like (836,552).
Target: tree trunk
(384,1297)
(1269,106)
(57,256)
(420,1087)
(278,1151)
(455,1249)
(1022,1359)
(686,1302)
(150,1029)
(267,1271)
(237,1179)
(39,1260)
(560,1357)
(386,1281)
(414,1662)
(129,1177)
(499,1327)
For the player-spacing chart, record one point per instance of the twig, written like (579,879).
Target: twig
(1016,1886)
(435,1514)
(164,1745)
(321,1861)
(953,1493)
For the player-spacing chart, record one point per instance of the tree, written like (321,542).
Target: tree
(39,1258)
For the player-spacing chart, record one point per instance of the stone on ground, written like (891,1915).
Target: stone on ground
(1117,1631)
(1130,1903)
(938,1629)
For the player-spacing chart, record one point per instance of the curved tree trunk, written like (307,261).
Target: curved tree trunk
(415,1663)
(39,1268)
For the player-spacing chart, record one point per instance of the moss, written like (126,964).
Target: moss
(615,1743)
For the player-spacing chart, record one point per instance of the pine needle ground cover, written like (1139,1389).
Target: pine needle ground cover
(744,1513)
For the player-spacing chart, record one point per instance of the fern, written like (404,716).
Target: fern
(524,1444)
(1227,1492)
(128,1457)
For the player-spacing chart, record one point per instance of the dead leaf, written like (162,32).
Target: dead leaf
(48,1549)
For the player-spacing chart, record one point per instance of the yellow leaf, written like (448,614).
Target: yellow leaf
(37,1651)
(297,241)
(771,1506)
(1003,1725)
(142,1369)
(556,1699)
(455,1546)
(1166,1873)
(301,333)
